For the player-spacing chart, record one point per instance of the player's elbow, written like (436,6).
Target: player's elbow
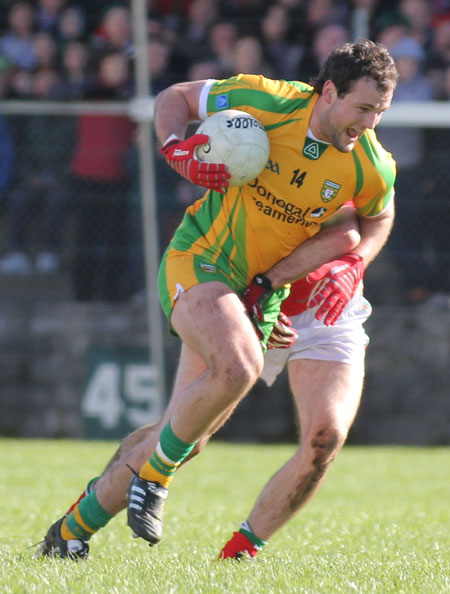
(349,240)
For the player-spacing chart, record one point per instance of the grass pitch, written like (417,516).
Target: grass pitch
(380,524)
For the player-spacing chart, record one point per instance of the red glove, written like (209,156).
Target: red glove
(283,335)
(180,155)
(341,279)
(254,297)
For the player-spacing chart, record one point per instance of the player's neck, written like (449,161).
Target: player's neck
(315,128)
(311,135)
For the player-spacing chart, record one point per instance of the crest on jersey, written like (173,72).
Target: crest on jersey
(313,149)
(221,101)
(208,267)
(329,190)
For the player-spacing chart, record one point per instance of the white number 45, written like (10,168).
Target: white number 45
(103,398)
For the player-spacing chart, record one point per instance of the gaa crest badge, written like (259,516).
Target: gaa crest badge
(329,190)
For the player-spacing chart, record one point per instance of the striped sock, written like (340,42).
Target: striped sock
(164,461)
(91,486)
(247,531)
(87,517)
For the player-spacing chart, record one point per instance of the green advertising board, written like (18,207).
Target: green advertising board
(121,392)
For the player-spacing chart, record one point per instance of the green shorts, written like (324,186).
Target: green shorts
(179,271)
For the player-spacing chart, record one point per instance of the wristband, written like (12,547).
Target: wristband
(262,281)
(170,138)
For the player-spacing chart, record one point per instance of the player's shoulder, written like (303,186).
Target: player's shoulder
(377,160)
(258,82)
(370,144)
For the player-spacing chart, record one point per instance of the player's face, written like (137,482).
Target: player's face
(347,117)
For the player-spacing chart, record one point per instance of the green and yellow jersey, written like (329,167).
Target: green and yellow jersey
(250,228)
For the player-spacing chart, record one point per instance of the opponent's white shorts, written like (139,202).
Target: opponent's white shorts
(346,341)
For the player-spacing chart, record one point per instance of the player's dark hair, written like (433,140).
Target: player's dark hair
(352,61)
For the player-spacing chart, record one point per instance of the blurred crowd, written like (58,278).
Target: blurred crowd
(83,49)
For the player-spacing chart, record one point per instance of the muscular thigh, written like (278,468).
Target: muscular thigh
(211,320)
(325,392)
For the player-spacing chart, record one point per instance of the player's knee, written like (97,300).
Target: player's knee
(249,371)
(325,443)
(321,446)
(239,372)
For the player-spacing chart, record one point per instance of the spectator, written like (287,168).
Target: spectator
(17,44)
(204,69)
(390,27)
(245,13)
(95,12)
(202,14)
(248,56)
(222,38)
(159,54)
(441,39)
(40,187)
(44,49)
(101,189)
(71,25)
(75,78)
(48,14)
(326,39)
(362,15)
(439,56)
(171,14)
(324,12)
(20,84)
(114,31)
(276,38)
(419,14)
(407,146)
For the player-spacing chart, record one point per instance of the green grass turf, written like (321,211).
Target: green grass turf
(380,524)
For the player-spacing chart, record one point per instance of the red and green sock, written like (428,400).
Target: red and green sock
(242,543)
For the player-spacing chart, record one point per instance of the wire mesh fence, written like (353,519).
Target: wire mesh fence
(71,221)
(70,205)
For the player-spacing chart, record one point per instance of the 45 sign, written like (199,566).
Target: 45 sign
(121,392)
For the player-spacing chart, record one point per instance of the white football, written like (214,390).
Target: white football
(238,140)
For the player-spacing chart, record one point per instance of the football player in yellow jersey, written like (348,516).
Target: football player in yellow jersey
(338,238)
(323,152)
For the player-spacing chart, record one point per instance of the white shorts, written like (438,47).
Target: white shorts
(346,341)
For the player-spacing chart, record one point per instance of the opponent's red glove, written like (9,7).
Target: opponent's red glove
(180,155)
(342,278)
(283,335)
(254,297)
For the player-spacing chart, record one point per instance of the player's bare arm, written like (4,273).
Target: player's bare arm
(343,276)
(175,107)
(374,233)
(339,236)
